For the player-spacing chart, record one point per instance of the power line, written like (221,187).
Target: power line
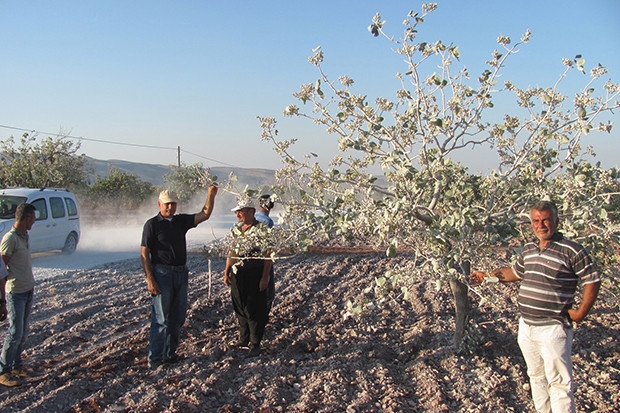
(114,143)
(208,159)
(87,139)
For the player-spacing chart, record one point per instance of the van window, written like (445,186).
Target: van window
(8,205)
(71,207)
(58,208)
(40,206)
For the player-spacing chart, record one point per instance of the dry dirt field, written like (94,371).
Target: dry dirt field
(90,327)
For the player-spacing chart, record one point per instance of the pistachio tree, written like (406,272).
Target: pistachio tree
(186,180)
(119,191)
(396,183)
(50,162)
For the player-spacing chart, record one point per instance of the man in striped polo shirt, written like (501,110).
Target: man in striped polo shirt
(549,269)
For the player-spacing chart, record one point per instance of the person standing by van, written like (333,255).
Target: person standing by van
(17,291)
(164,255)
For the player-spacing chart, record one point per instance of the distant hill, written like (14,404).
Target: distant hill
(154,173)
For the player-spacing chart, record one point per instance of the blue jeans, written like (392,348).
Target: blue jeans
(19,307)
(168,312)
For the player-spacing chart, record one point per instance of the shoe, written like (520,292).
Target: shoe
(24,373)
(155,365)
(174,359)
(242,344)
(254,350)
(8,380)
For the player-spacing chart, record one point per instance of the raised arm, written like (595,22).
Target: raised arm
(207,209)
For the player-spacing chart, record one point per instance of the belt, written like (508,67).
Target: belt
(177,268)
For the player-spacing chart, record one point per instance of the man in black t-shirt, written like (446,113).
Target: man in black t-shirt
(164,255)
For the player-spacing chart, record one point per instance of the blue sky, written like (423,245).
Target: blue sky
(196,74)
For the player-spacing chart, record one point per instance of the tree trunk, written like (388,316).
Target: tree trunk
(461,301)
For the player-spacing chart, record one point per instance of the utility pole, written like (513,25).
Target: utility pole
(179,156)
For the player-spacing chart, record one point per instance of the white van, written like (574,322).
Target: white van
(58,220)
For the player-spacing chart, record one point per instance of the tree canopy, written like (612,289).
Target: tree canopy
(50,163)
(120,189)
(396,182)
(187,180)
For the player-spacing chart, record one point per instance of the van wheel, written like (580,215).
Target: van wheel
(70,244)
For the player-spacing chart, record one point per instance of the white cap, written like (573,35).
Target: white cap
(167,196)
(243,203)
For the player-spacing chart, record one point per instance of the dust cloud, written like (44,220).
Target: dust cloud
(113,241)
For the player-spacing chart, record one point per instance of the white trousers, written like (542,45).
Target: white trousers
(547,353)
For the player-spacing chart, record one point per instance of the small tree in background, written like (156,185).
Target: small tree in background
(50,163)
(396,185)
(120,191)
(187,180)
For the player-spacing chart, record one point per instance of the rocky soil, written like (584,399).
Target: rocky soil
(89,341)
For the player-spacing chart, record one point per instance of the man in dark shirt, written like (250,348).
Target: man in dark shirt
(247,273)
(164,255)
